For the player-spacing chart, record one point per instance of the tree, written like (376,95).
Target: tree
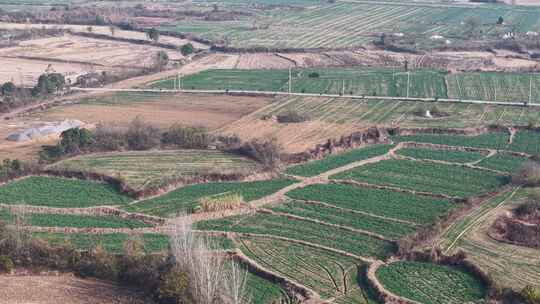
(89,29)
(100,20)
(187,49)
(530,294)
(75,140)
(142,136)
(8,89)
(500,20)
(153,34)
(472,25)
(161,60)
(49,83)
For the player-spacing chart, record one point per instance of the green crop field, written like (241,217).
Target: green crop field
(267,224)
(527,142)
(430,283)
(503,162)
(391,204)
(261,291)
(340,24)
(328,273)
(387,228)
(444,155)
(491,140)
(427,177)
(334,161)
(142,169)
(185,199)
(80,221)
(112,242)
(494,86)
(60,192)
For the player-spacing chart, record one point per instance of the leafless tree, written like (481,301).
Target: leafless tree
(212,277)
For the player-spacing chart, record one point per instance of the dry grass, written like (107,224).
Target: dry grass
(220,202)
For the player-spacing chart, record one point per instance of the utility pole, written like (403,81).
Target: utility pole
(530,88)
(179,81)
(290,80)
(343,88)
(408,82)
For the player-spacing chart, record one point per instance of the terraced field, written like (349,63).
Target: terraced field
(60,192)
(143,169)
(442,155)
(334,161)
(80,221)
(429,284)
(185,199)
(503,162)
(390,204)
(434,178)
(527,142)
(491,140)
(330,274)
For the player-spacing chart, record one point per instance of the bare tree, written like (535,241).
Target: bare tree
(212,279)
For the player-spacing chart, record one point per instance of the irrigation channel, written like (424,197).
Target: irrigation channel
(273,93)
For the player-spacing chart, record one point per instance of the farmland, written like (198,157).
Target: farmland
(152,168)
(420,210)
(427,177)
(490,140)
(334,161)
(444,155)
(337,25)
(428,283)
(80,221)
(185,199)
(59,192)
(503,162)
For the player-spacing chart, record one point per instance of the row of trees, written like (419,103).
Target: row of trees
(12,96)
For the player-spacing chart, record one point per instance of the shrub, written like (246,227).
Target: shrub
(265,151)
(313,75)
(109,138)
(174,287)
(6,264)
(222,201)
(98,263)
(530,294)
(142,136)
(187,49)
(529,174)
(292,117)
(187,137)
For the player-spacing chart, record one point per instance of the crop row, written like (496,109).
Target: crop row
(526,141)
(334,161)
(402,206)
(387,228)
(427,177)
(79,221)
(185,199)
(327,273)
(281,226)
(503,162)
(491,140)
(60,192)
(444,155)
(430,283)
(147,168)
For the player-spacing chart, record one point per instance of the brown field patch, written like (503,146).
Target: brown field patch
(87,54)
(263,61)
(63,289)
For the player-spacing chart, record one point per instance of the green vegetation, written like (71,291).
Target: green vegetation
(430,283)
(112,242)
(444,155)
(427,177)
(491,140)
(503,162)
(60,192)
(386,228)
(526,141)
(328,273)
(267,224)
(81,221)
(142,169)
(334,161)
(262,291)
(403,206)
(187,198)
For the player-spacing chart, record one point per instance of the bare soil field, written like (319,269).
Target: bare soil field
(104,30)
(74,56)
(208,111)
(63,289)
